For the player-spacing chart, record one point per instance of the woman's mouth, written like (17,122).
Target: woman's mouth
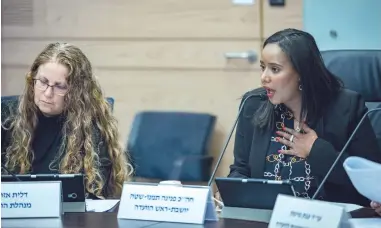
(46,103)
(270,92)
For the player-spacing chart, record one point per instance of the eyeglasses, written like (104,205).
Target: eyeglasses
(57,89)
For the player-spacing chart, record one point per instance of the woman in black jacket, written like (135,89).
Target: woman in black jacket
(298,131)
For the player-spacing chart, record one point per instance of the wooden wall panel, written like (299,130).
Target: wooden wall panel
(12,80)
(150,54)
(278,18)
(119,19)
(124,55)
(217,93)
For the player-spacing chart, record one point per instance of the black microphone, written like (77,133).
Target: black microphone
(342,151)
(262,96)
(9,172)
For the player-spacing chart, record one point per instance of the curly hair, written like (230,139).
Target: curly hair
(84,108)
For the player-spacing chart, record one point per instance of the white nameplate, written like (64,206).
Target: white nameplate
(292,211)
(34,199)
(167,203)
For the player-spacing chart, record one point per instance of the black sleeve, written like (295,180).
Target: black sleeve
(242,144)
(105,166)
(364,144)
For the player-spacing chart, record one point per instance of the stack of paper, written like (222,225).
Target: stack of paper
(365,223)
(365,176)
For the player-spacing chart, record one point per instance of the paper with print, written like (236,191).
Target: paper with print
(365,176)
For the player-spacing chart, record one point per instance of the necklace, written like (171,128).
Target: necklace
(290,162)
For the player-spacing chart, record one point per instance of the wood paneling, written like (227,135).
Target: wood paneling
(122,55)
(17,13)
(217,93)
(151,54)
(139,18)
(278,18)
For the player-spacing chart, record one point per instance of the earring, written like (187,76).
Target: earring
(300,87)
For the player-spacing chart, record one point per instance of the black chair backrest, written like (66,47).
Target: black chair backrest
(158,139)
(111,101)
(360,70)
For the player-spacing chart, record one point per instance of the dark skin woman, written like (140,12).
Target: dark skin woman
(297,132)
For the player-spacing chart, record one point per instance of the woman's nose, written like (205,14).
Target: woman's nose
(265,78)
(49,92)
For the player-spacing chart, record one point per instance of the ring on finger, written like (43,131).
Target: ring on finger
(292,138)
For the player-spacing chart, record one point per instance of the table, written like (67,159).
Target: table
(109,220)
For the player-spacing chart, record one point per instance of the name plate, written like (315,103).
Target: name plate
(166,203)
(35,199)
(299,212)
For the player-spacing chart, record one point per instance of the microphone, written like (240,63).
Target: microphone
(262,96)
(9,172)
(342,151)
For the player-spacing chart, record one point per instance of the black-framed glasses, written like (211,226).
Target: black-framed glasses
(57,89)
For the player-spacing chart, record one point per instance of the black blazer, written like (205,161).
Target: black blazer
(333,130)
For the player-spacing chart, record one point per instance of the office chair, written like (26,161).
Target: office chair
(360,70)
(171,145)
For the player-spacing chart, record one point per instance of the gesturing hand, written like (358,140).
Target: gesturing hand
(300,144)
(376,206)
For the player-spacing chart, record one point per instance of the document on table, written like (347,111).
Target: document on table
(365,222)
(365,176)
(100,205)
(349,207)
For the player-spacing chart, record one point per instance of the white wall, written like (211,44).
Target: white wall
(357,23)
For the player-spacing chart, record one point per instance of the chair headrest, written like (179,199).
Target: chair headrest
(360,70)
